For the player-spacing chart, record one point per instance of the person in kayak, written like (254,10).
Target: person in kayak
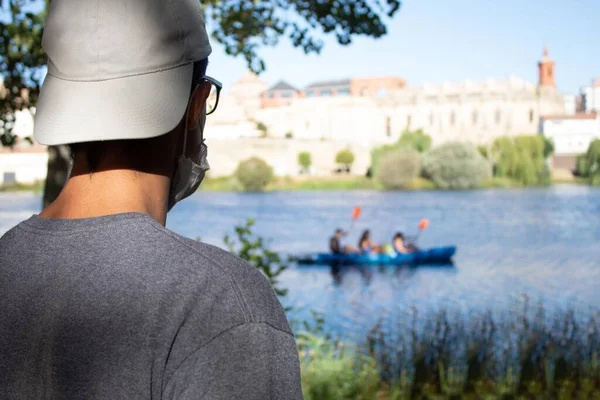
(400,246)
(366,246)
(335,244)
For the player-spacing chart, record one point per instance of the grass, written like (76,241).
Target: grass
(522,355)
(36,187)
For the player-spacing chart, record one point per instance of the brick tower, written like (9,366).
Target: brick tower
(546,66)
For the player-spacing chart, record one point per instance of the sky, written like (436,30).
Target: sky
(449,40)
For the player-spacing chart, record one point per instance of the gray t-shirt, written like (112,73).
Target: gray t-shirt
(118,307)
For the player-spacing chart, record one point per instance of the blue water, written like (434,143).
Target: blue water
(542,243)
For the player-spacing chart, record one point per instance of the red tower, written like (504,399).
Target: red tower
(546,66)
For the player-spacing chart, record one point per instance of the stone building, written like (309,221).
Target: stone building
(478,112)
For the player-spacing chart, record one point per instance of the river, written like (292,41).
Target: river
(540,243)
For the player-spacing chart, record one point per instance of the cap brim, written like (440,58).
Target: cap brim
(135,107)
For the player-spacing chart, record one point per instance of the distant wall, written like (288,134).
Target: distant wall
(23,167)
(225,155)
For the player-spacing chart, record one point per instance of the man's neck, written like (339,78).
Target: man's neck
(112,192)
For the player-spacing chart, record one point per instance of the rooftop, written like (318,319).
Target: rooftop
(282,85)
(583,116)
(325,84)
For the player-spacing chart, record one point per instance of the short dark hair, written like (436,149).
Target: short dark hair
(95,150)
(399,235)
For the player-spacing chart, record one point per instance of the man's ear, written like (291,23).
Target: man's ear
(197,104)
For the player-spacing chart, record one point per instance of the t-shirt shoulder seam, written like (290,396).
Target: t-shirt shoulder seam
(212,339)
(238,293)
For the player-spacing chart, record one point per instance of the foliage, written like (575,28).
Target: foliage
(332,370)
(483,150)
(398,168)
(260,126)
(289,135)
(420,183)
(548,147)
(588,165)
(520,355)
(36,187)
(522,159)
(244,27)
(499,183)
(417,140)
(253,249)
(254,174)
(345,157)
(455,165)
(21,61)
(305,161)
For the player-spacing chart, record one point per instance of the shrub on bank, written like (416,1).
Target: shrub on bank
(254,174)
(398,168)
(345,158)
(456,165)
(522,159)
(417,140)
(305,161)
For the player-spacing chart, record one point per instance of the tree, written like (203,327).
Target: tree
(456,165)
(399,168)
(254,174)
(242,27)
(305,161)
(263,129)
(346,158)
(417,140)
(588,164)
(522,159)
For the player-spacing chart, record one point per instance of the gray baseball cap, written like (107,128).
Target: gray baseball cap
(117,69)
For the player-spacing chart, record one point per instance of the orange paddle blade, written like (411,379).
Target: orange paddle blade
(423,224)
(356,213)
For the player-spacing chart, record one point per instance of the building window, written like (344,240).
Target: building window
(408,121)
(343,92)
(498,117)
(452,118)
(431,119)
(271,95)
(325,92)
(388,126)
(475,117)
(287,95)
(310,93)
(531,116)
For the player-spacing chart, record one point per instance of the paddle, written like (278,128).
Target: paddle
(423,224)
(356,212)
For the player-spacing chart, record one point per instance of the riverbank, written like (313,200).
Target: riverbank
(310,183)
(336,183)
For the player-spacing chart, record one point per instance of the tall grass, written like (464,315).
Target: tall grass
(523,355)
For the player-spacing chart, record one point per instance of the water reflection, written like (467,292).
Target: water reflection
(400,273)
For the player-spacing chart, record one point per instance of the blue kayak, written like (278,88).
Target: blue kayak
(437,255)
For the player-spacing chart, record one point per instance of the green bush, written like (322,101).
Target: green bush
(498,183)
(345,157)
(332,371)
(588,164)
(417,140)
(420,183)
(522,159)
(254,174)
(455,165)
(398,168)
(305,161)
(289,135)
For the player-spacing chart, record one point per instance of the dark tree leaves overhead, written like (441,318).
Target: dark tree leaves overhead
(242,26)
(21,60)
